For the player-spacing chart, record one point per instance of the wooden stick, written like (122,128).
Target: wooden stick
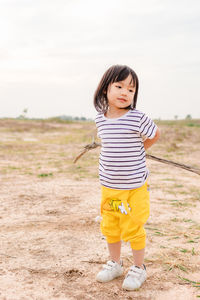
(175,164)
(86,149)
(158,159)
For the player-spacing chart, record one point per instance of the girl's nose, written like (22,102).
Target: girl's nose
(124,92)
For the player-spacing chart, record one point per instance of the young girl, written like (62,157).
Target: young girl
(125,134)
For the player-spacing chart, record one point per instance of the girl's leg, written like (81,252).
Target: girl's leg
(138,257)
(136,276)
(113,268)
(115,251)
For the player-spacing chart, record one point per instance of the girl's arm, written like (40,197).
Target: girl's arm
(149,142)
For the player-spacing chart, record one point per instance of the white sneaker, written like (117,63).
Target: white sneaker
(135,278)
(110,271)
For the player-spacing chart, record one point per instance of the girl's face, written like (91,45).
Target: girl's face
(120,94)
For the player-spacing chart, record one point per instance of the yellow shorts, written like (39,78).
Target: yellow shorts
(124,212)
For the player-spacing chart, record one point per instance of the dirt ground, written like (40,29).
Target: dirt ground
(51,245)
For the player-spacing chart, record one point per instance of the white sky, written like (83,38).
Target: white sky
(54,52)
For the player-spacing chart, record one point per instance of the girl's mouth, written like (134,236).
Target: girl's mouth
(122,99)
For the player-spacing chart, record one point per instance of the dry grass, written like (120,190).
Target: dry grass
(50,242)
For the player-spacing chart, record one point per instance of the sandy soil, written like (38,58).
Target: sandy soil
(51,245)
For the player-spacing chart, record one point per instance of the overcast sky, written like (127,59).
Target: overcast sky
(53,54)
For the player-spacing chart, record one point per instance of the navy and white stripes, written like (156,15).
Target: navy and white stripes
(122,163)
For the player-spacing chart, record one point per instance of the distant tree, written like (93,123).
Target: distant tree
(188,117)
(24,114)
(176,117)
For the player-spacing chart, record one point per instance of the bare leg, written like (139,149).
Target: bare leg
(138,257)
(115,250)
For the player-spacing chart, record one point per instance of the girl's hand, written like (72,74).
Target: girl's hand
(149,142)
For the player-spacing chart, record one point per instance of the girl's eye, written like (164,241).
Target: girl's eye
(118,86)
(131,91)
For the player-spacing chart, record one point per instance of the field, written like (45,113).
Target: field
(51,245)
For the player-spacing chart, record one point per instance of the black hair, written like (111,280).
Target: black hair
(115,73)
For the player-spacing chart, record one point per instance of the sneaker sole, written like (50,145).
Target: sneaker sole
(103,281)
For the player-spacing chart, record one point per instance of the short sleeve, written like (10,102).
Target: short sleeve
(147,127)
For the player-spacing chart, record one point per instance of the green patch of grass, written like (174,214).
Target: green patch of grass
(183,193)
(178,186)
(191,241)
(151,228)
(10,169)
(193,283)
(175,238)
(188,220)
(182,268)
(193,252)
(184,250)
(189,281)
(159,233)
(45,174)
(175,220)
(177,266)
(191,124)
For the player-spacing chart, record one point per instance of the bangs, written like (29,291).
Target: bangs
(123,74)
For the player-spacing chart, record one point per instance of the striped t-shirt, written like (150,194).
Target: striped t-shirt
(122,162)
